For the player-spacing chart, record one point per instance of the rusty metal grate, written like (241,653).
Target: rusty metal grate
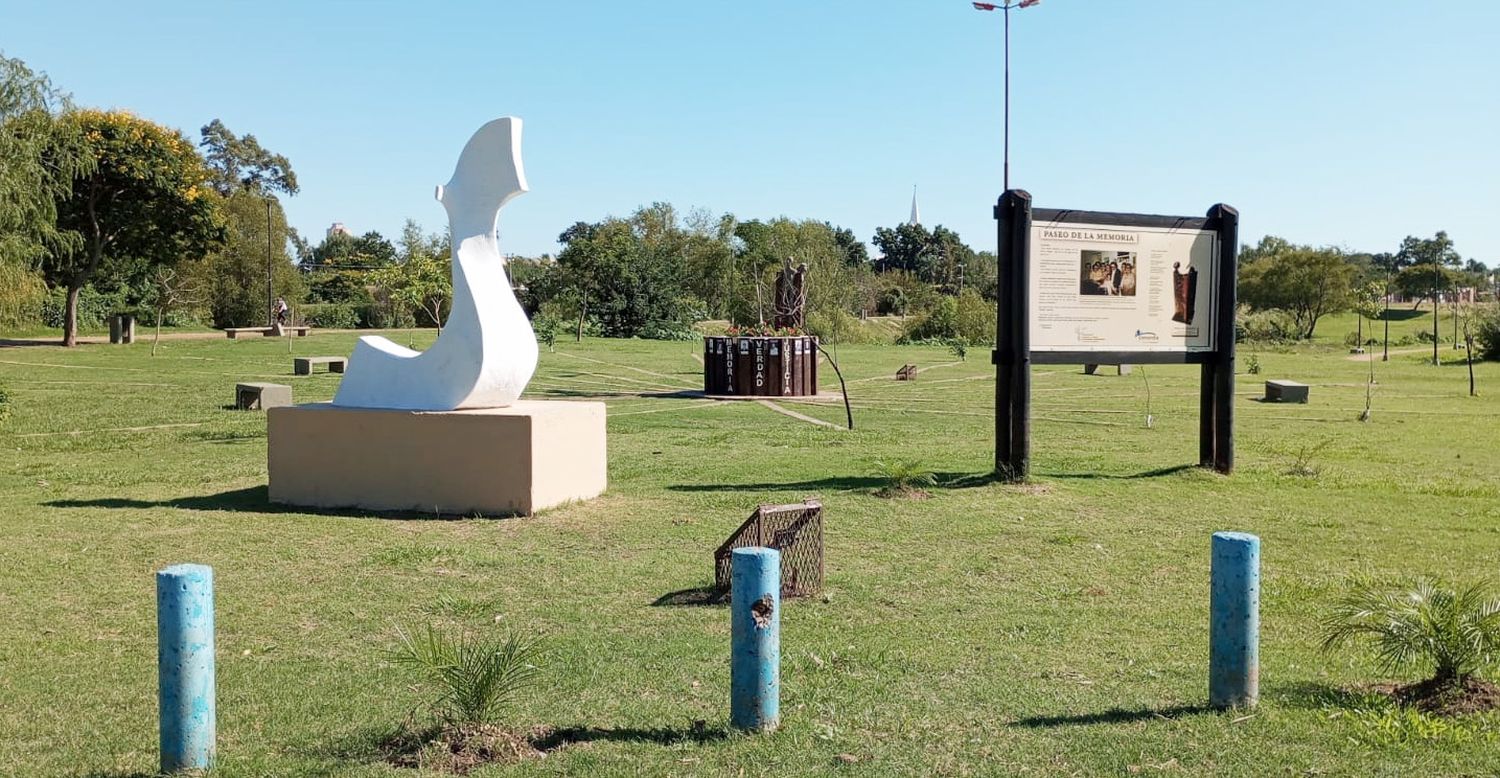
(794,530)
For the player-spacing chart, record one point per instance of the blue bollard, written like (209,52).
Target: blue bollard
(185,666)
(1234,621)
(755,639)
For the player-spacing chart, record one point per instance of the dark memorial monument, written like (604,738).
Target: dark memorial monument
(1091,288)
(775,361)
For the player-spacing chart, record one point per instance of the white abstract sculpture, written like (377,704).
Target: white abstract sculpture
(487,351)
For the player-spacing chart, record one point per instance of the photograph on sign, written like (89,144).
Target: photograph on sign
(1121,288)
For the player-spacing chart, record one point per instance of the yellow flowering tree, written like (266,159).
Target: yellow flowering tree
(146,203)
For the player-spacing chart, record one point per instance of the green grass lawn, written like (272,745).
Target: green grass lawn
(1054,628)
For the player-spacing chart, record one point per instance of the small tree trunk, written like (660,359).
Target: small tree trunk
(583,307)
(70,315)
(1469,342)
(156,341)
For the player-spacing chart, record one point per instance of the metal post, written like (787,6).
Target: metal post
(1223,373)
(1012,355)
(755,639)
(1385,355)
(1436,306)
(185,666)
(1005,180)
(270,294)
(1234,621)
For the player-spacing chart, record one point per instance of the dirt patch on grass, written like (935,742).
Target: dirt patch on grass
(899,493)
(1030,488)
(1472,695)
(458,749)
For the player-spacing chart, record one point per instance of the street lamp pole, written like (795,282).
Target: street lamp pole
(270,274)
(1005,8)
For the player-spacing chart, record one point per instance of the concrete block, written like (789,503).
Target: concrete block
(515,460)
(253,395)
(1286,392)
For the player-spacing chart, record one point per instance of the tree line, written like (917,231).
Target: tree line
(105,211)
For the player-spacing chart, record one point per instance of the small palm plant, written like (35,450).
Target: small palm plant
(475,676)
(903,477)
(1452,632)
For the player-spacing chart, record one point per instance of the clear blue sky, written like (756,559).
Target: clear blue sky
(1349,122)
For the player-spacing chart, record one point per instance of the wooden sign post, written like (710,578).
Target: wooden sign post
(1113,309)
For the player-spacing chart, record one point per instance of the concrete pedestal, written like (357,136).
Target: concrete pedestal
(500,461)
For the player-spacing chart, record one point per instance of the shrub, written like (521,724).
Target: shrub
(4,405)
(1452,633)
(474,676)
(838,326)
(967,316)
(902,477)
(331,316)
(668,330)
(94,307)
(1270,326)
(22,297)
(1487,332)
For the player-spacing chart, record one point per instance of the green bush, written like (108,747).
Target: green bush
(22,297)
(1269,326)
(1487,333)
(94,307)
(331,316)
(668,330)
(474,677)
(838,326)
(967,316)
(1430,626)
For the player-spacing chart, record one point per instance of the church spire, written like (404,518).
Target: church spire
(916,213)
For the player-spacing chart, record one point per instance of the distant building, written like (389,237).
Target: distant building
(338,228)
(916,213)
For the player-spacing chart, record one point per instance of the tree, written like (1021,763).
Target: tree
(1269,246)
(146,202)
(422,278)
(902,248)
(1308,283)
(939,257)
(235,286)
(169,291)
(855,252)
(240,162)
(359,252)
(40,155)
(1434,254)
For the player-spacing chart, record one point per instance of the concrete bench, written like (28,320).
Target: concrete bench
(1093,369)
(1286,392)
(257,396)
(234,333)
(304,365)
(277,330)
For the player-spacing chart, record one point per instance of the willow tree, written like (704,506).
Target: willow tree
(39,158)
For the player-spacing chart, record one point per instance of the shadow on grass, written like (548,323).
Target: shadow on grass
(701,596)
(1113,716)
(1402,314)
(254,499)
(848,483)
(117,773)
(1157,473)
